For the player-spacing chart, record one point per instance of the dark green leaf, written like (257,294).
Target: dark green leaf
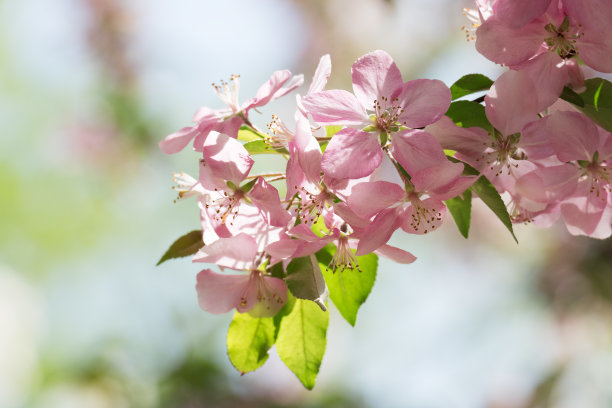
(598,102)
(305,281)
(349,288)
(186,245)
(468,84)
(468,114)
(460,208)
(489,195)
(248,341)
(301,340)
(572,97)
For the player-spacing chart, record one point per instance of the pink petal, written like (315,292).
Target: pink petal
(308,150)
(321,75)
(177,141)
(395,254)
(266,92)
(227,157)
(375,75)
(572,135)
(507,46)
(218,293)
(416,150)
(437,177)
(517,13)
(511,102)
(265,197)
(587,216)
(423,101)
(237,252)
(369,198)
(468,141)
(335,107)
(351,154)
(378,232)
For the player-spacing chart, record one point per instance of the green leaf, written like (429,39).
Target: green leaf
(468,84)
(258,147)
(332,130)
(301,340)
(305,281)
(349,288)
(489,195)
(261,147)
(468,114)
(248,341)
(460,208)
(598,102)
(248,134)
(572,97)
(186,245)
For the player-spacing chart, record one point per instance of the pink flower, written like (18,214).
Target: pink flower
(546,45)
(381,104)
(228,120)
(582,184)
(255,292)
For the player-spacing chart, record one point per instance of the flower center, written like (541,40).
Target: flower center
(599,178)
(279,134)
(387,114)
(312,204)
(344,258)
(226,205)
(228,92)
(502,153)
(423,218)
(562,39)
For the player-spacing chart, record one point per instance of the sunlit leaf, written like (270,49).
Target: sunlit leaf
(248,134)
(186,245)
(598,102)
(349,288)
(248,341)
(302,339)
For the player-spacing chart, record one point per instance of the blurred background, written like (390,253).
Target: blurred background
(87,90)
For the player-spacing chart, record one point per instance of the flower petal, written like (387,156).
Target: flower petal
(351,154)
(416,150)
(335,107)
(423,101)
(375,75)
(219,293)
(227,157)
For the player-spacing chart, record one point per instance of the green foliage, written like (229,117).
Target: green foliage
(305,281)
(598,102)
(468,84)
(332,130)
(572,97)
(489,195)
(248,134)
(468,114)
(460,208)
(349,288)
(302,339)
(186,245)
(248,341)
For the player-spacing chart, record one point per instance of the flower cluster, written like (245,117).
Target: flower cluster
(392,154)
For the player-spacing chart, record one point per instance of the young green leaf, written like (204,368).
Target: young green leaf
(598,102)
(349,288)
(301,340)
(186,245)
(305,281)
(248,341)
(332,130)
(460,208)
(468,114)
(468,84)
(489,195)
(248,134)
